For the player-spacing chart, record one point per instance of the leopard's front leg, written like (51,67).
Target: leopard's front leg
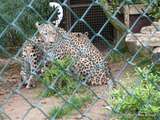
(27,78)
(31,82)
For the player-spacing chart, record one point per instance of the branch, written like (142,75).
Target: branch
(118,25)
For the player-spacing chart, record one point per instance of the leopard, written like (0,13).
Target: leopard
(54,43)
(57,44)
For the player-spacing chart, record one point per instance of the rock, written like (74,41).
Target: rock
(156,23)
(151,29)
(156,55)
(135,41)
(148,30)
(153,40)
(149,37)
(147,40)
(131,42)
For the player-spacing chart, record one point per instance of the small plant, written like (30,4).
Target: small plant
(76,102)
(60,78)
(142,99)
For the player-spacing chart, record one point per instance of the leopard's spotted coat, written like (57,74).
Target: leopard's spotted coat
(55,43)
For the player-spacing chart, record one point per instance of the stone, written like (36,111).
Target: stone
(149,38)
(135,41)
(151,29)
(148,30)
(156,55)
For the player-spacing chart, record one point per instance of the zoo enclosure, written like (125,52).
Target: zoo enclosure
(74,26)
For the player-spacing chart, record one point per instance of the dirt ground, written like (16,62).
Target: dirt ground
(17,108)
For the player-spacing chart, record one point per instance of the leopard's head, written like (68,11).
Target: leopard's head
(48,32)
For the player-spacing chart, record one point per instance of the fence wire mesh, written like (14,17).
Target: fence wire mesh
(126,96)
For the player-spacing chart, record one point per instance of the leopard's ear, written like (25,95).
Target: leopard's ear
(86,33)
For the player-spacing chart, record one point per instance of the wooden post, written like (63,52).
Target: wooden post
(126,16)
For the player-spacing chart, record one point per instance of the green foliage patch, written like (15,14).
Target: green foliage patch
(22,18)
(76,102)
(60,77)
(61,81)
(142,99)
(154,10)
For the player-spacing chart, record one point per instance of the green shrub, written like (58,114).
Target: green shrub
(60,80)
(76,102)
(13,38)
(142,101)
(60,76)
(154,9)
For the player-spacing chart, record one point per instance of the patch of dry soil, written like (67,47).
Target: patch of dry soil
(17,108)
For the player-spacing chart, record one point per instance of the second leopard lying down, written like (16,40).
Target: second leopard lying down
(55,43)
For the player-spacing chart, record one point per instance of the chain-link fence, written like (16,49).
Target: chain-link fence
(132,54)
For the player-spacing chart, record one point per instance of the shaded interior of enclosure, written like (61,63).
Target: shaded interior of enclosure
(94,20)
(142,21)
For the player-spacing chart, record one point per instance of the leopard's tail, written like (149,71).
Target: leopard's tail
(60,12)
